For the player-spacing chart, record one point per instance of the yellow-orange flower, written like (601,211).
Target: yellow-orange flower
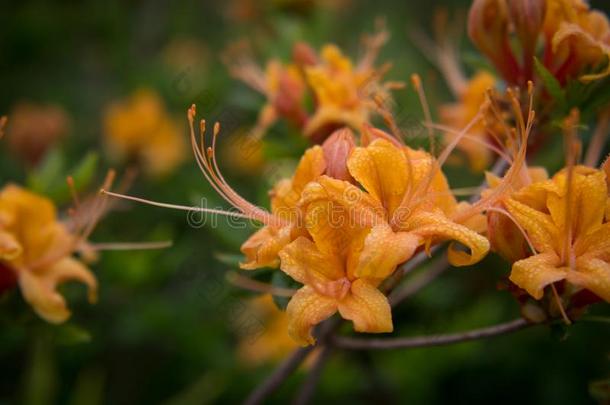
(140,129)
(360,237)
(410,189)
(345,94)
(459,114)
(37,249)
(566,221)
(341,268)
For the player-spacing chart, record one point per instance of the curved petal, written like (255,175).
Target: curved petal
(262,248)
(303,261)
(538,225)
(383,250)
(363,209)
(594,275)
(367,308)
(435,227)
(536,272)
(382,169)
(39,287)
(287,193)
(306,309)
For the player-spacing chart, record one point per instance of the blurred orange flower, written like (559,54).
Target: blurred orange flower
(458,115)
(37,249)
(275,343)
(140,129)
(34,129)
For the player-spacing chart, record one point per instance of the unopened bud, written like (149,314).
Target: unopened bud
(488,25)
(303,54)
(528,17)
(337,149)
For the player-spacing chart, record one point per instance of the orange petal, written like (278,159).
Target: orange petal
(306,309)
(383,250)
(538,225)
(303,261)
(594,275)
(382,170)
(262,248)
(536,272)
(288,192)
(368,308)
(436,227)
(39,287)
(363,209)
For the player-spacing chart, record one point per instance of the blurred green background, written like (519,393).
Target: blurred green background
(167,326)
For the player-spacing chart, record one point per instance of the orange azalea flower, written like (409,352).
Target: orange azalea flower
(360,237)
(37,249)
(282,85)
(141,129)
(458,115)
(566,221)
(346,94)
(342,267)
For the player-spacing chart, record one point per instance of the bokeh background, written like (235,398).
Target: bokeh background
(168,327)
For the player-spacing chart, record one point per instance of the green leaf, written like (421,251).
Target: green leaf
(551,84)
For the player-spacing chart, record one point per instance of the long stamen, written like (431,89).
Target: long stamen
(416,81)
(515,170)
(175,206)
(517,224)
(476,140)
(247,283)
(206,159)
(564,315)
(130,246)
(570,138)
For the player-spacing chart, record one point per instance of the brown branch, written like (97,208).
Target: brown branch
(353,343)
(288,366)
(313,378)
(280,374)
(407,290)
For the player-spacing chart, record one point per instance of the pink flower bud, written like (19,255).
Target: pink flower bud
(337,149)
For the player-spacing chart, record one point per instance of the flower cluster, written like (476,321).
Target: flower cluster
(344,93)
(361,202)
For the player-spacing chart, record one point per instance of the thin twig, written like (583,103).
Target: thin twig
(308,388)
(409,289)
(288,366)
(280,374)
(354,343)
